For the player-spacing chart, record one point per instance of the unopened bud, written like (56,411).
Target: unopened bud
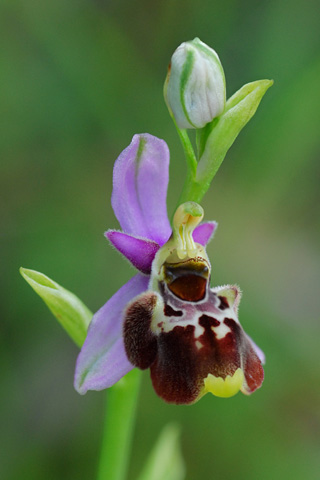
(195,90)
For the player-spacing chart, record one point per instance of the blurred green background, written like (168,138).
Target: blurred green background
(78,78)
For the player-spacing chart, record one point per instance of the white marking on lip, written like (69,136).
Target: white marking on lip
(221,331)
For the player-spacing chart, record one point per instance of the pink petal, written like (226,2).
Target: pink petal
(102,360)
(140,182)
(139,251)
(203,233)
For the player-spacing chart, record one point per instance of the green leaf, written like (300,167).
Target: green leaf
(165,461)
(240,108)
(70,312)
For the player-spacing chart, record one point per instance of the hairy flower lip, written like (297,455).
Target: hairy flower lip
(187,342)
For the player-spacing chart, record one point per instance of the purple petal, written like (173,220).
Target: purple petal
(203,233)
(139,251)
(102,360)
(140,182)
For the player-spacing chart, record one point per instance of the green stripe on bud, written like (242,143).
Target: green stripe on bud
(70,312)
(195,90)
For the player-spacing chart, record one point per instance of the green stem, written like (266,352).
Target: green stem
(196,186)
(188,150)
(118,427)
(192,164)
(193,191)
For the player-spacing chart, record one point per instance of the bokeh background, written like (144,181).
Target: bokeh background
(78,78)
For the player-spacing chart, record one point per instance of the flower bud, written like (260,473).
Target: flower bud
(195,90)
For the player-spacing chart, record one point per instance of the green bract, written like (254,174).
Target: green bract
(215,139)
(70,312)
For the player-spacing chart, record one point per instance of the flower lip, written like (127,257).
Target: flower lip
(192,348)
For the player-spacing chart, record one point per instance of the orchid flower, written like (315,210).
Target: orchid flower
(166,318)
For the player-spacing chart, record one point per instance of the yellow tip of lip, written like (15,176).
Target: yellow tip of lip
(224,387)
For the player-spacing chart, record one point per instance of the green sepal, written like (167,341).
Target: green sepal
(70,312)
(165,461)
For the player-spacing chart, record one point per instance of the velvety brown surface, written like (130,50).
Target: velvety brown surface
(140,343)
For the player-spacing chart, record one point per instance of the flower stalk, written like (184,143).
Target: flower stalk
(118,428)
